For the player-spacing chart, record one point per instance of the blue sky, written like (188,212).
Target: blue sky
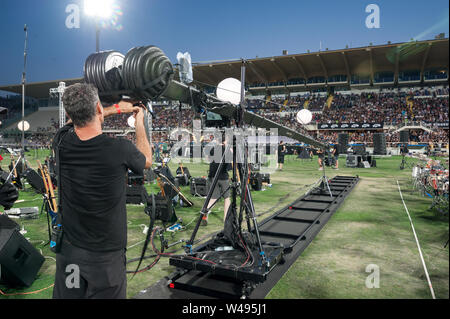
(209,30)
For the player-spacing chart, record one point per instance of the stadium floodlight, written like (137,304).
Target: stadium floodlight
(23,126)
(98,8)
(304,116)
(229,90)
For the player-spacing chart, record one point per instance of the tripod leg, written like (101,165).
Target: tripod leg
(255,226)
(328,186)
(204,210)
(246,197)
(325,185)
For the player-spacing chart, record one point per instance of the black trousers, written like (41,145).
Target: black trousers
(83,274)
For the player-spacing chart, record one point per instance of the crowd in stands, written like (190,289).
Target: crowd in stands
(416,136)
(390,106)
(165,118)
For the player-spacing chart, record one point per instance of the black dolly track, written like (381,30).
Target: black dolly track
(294,227)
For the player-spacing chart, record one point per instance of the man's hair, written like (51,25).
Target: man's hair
(80,102)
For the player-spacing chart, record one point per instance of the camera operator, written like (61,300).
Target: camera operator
(92,190)
(223,184)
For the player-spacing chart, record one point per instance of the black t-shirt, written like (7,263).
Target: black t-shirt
(93,189)
(281,150)
(215,162)
(336,150)
(223,175)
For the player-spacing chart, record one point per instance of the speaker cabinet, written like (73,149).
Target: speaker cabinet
(379,144)
(35,180)
(256,181)
(404,136)
(136,194)
(199,187)
(343,142)
(19,260)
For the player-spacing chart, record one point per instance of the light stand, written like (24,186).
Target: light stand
(325,185)
(97,35)
(25,29)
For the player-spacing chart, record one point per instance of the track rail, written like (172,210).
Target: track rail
(294,226)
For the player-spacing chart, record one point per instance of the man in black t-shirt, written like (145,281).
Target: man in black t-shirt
(335,153)
(92,190)
(281,152)
(222,186)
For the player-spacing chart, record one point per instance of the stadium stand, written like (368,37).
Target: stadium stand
(407,96)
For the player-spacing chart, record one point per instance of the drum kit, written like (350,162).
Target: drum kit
(432,180)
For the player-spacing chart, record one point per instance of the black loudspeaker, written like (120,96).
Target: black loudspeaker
(256,181)
(19,260)
(136,194)
(379,144)
(183,176)
(343,142)
(404,136)
(35,180)
(199,187)
(164,209)
(8,223)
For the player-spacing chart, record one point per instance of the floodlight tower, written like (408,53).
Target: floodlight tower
(99,9)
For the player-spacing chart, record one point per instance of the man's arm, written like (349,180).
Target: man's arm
(121,107)
(142,143)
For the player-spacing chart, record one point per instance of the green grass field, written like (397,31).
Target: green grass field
(371,227)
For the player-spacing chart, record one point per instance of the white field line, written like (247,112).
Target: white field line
(418,245)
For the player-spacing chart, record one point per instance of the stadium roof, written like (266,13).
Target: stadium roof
(364,61)
(38,90)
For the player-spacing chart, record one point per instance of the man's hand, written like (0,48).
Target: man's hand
(139,116)
(128,107)
(122,107)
